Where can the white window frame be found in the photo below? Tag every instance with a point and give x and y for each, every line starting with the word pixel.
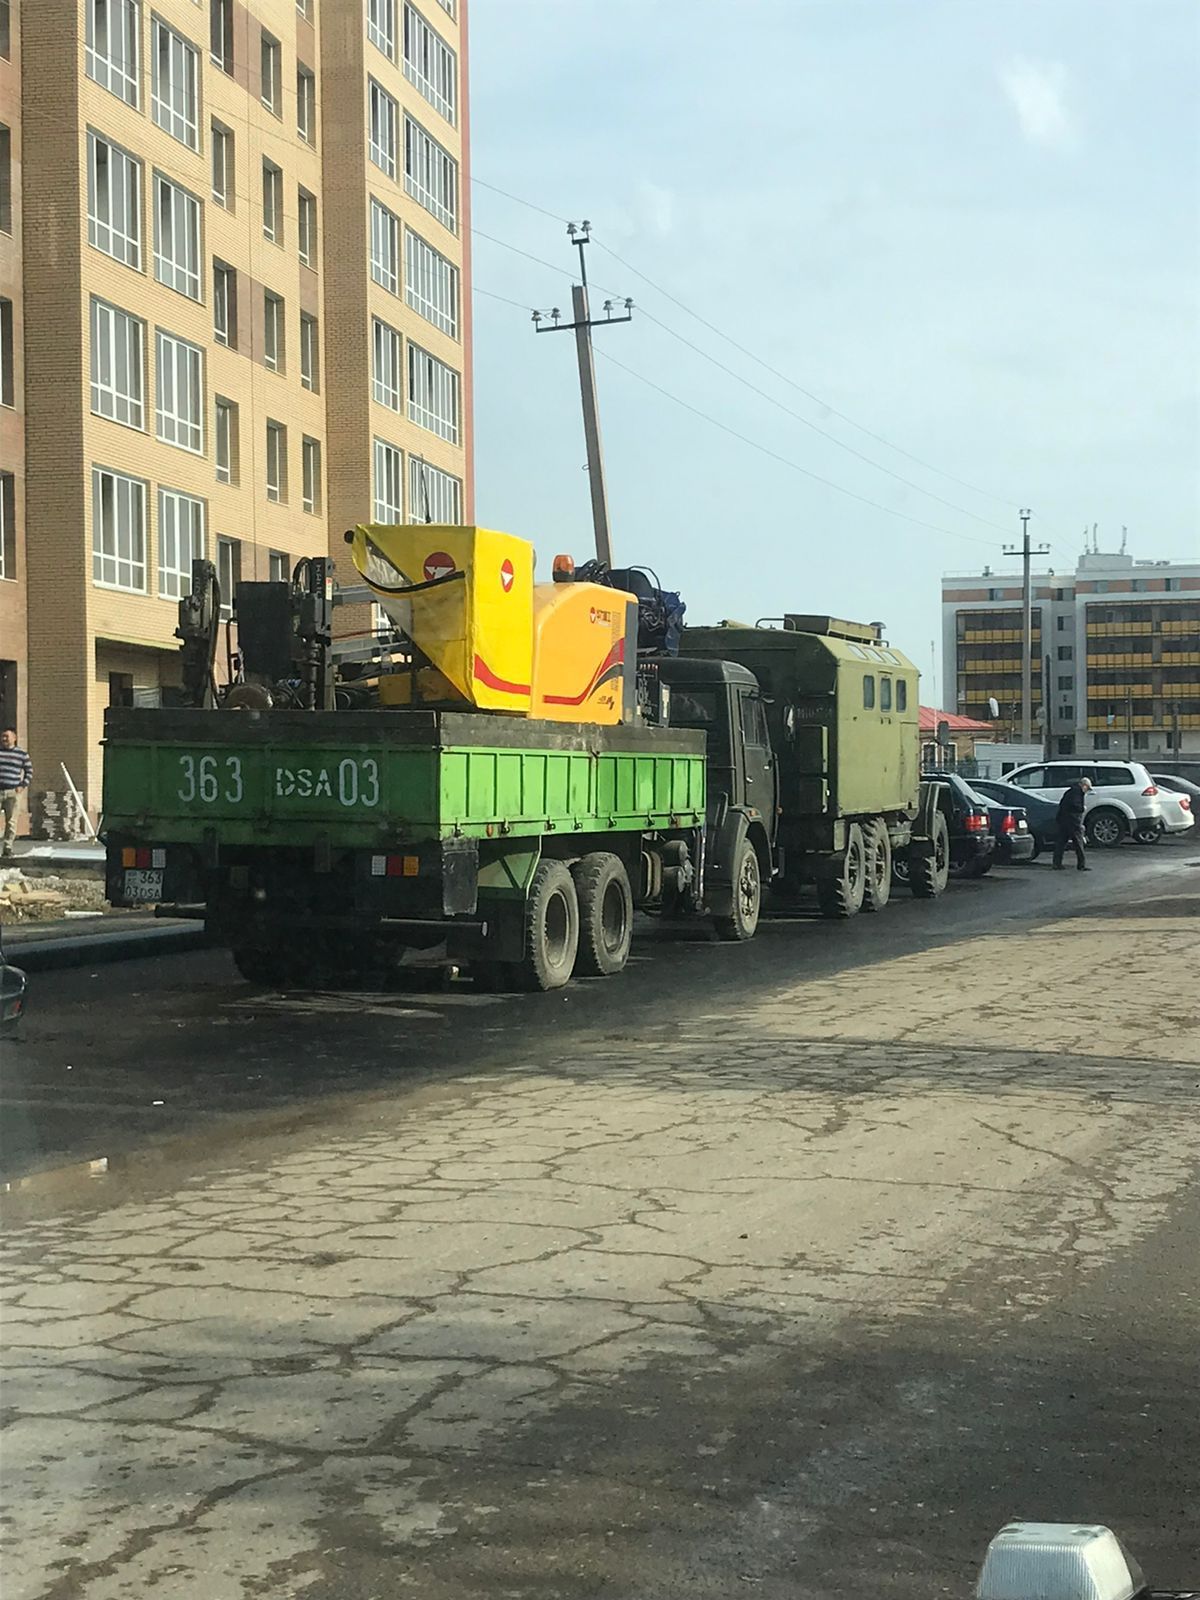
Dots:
pixel 274 331
pixel 385 247
pixel 276 474
pixel 114 201
pixel 306 227
pixel 388 499
pixel 119 547
pixel 450 7
pixel 443 489
pixel 272 183
pixel 223 159
pixel 279 568
pixel 381 26
pixel 430 283
pixel 430 174
pixel 175 83
pixel 224 57
pixel 179 392
pixel 225 306
pixel 8 499
pixel 229 573
pixel 433 394
pixel 177 241
pixel 225 438
pixel 430 65
pixel 118 71
pixel 310 352
pixel 387 365
pixel 306 104
pixel 118 353
pixel 383 124
pixel 181 540
pixel 310 474
pixel 270 54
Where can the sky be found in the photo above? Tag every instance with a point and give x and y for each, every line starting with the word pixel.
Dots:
pixel 957 241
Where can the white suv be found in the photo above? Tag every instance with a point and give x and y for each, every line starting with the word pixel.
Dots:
pixel 1124 800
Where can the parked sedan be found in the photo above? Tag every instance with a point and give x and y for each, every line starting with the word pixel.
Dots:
pixel 1008 825
pixel 12 994
pixel 1041 814
pixel 1188 795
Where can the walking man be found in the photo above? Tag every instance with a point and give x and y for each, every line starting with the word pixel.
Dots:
pixel 1070 825
pixel 16 773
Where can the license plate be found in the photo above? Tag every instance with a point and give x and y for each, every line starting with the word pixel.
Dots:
pixel 143 885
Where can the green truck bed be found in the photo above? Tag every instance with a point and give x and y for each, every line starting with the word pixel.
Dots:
pixel 359 779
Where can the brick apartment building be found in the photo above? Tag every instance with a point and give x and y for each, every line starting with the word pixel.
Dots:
pixel 1122 638
pixel 246 318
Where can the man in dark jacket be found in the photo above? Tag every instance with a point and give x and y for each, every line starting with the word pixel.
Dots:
pixel 1070 824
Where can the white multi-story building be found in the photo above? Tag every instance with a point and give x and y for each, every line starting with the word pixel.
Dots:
pixel 1116 653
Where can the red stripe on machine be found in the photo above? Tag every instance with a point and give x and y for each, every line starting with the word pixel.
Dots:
pixel 615 658
pixel 485 675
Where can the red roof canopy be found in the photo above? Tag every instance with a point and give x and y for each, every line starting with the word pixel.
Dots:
pixel 931 718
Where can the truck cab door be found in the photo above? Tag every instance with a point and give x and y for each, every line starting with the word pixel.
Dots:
pixel 759 769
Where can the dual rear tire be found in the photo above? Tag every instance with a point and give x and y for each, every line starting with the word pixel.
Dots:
pixel 575 920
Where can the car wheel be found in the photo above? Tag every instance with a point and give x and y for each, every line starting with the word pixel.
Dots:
pixel 1106 828
pixel 1148 832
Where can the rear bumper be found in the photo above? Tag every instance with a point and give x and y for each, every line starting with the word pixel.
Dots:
pixel 1016 847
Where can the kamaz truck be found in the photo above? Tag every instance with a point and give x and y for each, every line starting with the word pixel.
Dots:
pixel 506 770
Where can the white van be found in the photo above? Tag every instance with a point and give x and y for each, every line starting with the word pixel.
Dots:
pixel 1124 802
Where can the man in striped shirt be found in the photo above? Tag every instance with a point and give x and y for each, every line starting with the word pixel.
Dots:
pixel 16 773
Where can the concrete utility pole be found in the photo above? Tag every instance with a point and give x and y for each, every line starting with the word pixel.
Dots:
pixel 582 327
pixel 1027 630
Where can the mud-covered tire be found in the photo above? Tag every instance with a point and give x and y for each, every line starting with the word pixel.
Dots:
pixel 551 931
pixel 746 906
pixel 842 884
pixel 1105 828
pixel 929 872
pixel 605 914
pixel 877 884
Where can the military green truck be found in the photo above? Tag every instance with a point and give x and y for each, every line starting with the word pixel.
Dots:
pixel 322 834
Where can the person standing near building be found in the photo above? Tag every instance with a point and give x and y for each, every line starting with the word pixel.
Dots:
pixel 1070 824
pixel 16 773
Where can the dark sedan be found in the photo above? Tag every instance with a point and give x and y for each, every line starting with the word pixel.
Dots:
pixel 12 994
pixel 1040 814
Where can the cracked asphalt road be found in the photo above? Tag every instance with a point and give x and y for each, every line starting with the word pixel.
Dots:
pixel 789 1270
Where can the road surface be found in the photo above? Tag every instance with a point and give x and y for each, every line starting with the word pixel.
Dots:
pixel 792 1269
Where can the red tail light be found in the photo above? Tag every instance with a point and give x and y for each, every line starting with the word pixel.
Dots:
pixel 977 822
pixel 1152 790
pixel 1185 801
pixel 1009 825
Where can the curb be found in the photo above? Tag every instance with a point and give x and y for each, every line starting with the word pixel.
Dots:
pixel 45 955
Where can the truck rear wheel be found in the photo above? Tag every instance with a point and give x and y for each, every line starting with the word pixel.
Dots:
pixel 877 888
pixel 269 969
pixel 840 888
pixel 551 929
pixel 605 914
pixel 742 921
pixel 929 870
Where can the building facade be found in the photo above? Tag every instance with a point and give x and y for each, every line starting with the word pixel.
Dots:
pixel 1116 653
pixel 13 603
pixel 202 377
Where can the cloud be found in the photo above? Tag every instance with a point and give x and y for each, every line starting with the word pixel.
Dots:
pixel 1038 93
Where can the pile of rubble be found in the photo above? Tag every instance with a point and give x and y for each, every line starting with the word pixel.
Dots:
pixel 46 897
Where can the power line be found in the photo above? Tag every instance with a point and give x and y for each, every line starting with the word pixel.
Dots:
pixel 475 289
pixel 517 200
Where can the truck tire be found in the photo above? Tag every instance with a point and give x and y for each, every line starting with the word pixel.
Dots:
pixel 877 885
pixel 1106 828
pixel 929 872
pixel 605 914
pixel 742 921
pixel 841 887
pixel 551 930
pixel 268 969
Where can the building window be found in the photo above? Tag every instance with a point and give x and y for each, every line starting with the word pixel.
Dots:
pixel 1068 713
pixel 225 299
pixel 224 182
pixel 117 365
pixel 274 332
pixel 1061 624
pixel 272 192
pixel 6 222
pixel 1100 741
pixel 1065 652
pixel 1141 741
pixel 1066 683
pixel 429 64
pixel 385 113
pixel 271 68
pixel 381 26
pixel 7 354
pixel 306 105
pixel 430 283
pixel 1066 745
pixel 112 54
pixel 179 393
pixel 176 237
pixel 8 526
pixel 221 35
pixel 385 247
pixel 432 394
pixel 868 691
pixel 114 202
pixel 389 483
pixel 180 541
pixel 306 225
pixel 386 364
pixel 174 90
pixel 430 174
pixel 450 7
pixel 229 573
pixel 276 462
pixel 118 530
pixel 310 353
pixel 277 567
pixel 1173 585
pixel 995 594
pixel 1102 587
pixel 310 462
pixel 225 434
